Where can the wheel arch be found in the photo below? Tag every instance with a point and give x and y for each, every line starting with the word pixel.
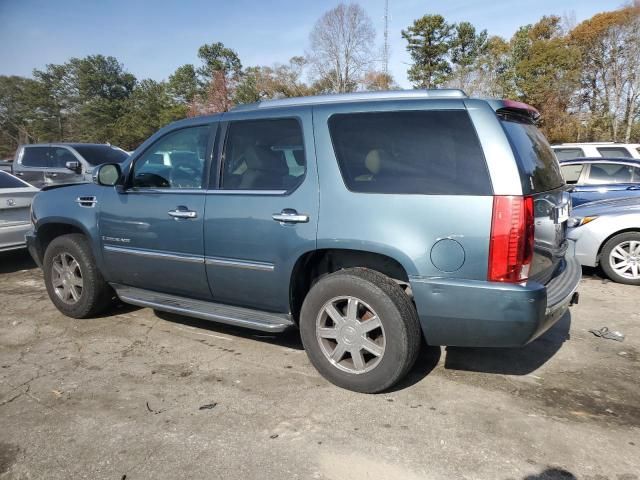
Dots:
pixel 52 228
pixel 619 232
pixel 314 264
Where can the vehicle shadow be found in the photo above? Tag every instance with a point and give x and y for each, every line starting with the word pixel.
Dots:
pixel 511 361
pixel 428 359
pixel 551 473
pixel 289 338
pixel 16 260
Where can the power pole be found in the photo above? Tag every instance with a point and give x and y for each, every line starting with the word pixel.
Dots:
pixel 385 48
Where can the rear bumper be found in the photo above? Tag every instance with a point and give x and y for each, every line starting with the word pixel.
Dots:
pixel 472 313
pixel 12 237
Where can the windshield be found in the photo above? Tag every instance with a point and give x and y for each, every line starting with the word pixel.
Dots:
pixel 99 154
pixel 539 168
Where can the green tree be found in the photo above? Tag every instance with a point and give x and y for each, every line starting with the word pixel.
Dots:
pixel 183 84
pixel 429 43
pixel 466 47
pixel 149 108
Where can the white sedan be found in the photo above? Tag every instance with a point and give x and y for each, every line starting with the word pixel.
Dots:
pixel 15 202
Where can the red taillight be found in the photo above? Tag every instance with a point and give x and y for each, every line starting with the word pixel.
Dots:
pixel 511 241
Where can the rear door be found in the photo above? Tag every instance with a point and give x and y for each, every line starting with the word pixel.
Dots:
pixel 542 179
pixel 605 181
pixel 31 164
pixel 262 214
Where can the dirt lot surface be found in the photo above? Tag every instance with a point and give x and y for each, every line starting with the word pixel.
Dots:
pixel 144 395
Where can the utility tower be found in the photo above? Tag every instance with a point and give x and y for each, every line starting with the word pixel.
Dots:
pixel 385 48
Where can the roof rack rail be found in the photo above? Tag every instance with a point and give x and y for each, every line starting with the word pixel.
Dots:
pixel 356 96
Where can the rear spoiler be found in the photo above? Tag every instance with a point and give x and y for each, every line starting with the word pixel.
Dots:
pixel 520 108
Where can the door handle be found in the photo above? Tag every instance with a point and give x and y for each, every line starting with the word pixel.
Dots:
pixel 289 215
pixel 182 212
pixel 51 174
pixel 19 174
pixel 634 187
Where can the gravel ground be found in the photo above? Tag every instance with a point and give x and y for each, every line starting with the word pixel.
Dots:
pixel 140 394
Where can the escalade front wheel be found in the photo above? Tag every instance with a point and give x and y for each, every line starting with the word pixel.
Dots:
pixel 360 330
pixel 74 283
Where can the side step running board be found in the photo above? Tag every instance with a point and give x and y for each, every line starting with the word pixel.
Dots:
pixel 238 316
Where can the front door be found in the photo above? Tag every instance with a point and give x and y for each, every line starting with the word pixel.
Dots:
pixel 57 171
pixel 151 230
pixel 263 215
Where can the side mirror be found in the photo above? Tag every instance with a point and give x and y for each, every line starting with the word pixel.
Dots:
pixel 73 165
pixel 107 174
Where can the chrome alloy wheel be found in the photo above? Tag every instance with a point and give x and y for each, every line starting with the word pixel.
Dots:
pixel 66 278
pixel 625 259
pixel 350 334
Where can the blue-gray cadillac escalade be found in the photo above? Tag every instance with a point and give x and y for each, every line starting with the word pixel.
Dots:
pixel 369 221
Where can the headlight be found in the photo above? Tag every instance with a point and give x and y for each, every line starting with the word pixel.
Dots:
pixel 579 221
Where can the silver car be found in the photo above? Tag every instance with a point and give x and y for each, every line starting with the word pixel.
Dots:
pixel 15 202
pixel 607 233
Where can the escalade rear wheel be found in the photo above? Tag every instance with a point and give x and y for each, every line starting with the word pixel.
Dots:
pixel 620 258
pixel 360 330
pixel 73 281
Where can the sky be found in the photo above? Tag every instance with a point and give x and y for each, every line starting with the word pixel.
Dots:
pixel 153 38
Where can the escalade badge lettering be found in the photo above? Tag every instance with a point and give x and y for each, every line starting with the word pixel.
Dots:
pixel 116 239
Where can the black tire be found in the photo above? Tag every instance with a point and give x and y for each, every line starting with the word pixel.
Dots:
pixel 401 328
pixel 608 247
pixel 96 295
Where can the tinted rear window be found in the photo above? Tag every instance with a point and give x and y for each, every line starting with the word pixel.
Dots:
pixel 410 152
pixel 9 181
pixel 539 168
pixel 99 154
pixel 35 157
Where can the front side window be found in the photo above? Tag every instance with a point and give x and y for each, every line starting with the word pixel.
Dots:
pixel 99 154
pixel 609 173
pixel 264 155
pixel 35 157
pixel 568 153
pixel 572 172
pixel 433 152
pixel 60 156
pixel 616 152
pixel 177 160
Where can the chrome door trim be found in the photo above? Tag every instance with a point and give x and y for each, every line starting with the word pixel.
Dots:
pixel 155 254
pixel 247 192
pixel 224 262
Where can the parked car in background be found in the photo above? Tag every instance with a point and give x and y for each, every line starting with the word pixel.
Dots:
pixel 15 202
pixel 5 165
pixel 594 179
pixel 569 151
pixel 368 220
pixel 58 163
pixel 607 233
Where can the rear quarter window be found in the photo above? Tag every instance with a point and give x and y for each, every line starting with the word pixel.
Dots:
pixel 9 181
pixel 539 167
pixel 432 152
pixel 568 153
